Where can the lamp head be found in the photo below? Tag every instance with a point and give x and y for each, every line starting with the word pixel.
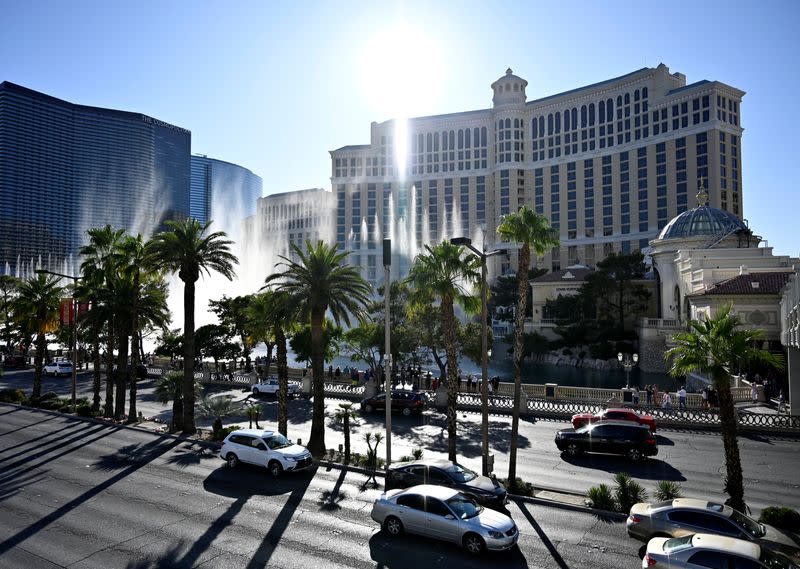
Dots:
pixel 635 358
pixel 619 356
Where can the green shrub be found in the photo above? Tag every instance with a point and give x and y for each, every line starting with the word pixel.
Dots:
pixel 781 518
pixel 84 410
pixel 223 432
pixel 667 490
pixel 519 487
pixel 13 396
pixel 54 404
pixel 600 497
pixel 416 453
pixel 628 492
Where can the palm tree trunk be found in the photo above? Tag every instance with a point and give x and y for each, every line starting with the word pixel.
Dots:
pixel 122 376
pixel 96 377
pixel 189 427
pixel 269 359
pixel 449 327
pixel 134 348
pixel 283 383
pixel 109 404
pixel 38 364
pixel 346 427
pixel 177 412
pixel 316 441
pixel 519 328
pixel 734 484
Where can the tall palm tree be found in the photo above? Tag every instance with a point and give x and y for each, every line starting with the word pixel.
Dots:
pixel 269 317
pixel 98 270
pixel 189 249
pixel 531 231
pixel 36 311
pixel 714 346
pixel 315 284
pixel 8 291
pixel 443 275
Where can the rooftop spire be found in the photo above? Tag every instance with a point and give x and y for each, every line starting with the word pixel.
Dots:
pixel 702 194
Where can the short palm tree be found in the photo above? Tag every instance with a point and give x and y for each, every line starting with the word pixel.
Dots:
pixel 169 387
pixel 189 249
pixel 714 346
pixel 442 274
pixel 531 231
pixel 36 311
pixel 344 414
pixel 218 408
pixel 319 282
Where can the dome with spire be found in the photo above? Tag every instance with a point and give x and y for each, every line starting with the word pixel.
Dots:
pixel 509 90
pixel 703 221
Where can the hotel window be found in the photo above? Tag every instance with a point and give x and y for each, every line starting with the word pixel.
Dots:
pixel 480 199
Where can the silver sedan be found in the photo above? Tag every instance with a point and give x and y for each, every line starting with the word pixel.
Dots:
pixel 445 514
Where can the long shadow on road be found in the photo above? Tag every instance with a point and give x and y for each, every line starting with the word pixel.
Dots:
pixel 559 561
pixel 649 469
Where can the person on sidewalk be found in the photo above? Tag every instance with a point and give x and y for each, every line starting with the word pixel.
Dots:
pixel 666 401
pixel 754 393
pixel 704 395
pixel 682 398
pixel 635 396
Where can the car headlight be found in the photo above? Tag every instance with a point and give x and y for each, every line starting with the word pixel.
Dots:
pixel 495 534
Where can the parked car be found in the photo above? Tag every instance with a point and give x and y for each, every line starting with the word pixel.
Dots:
pixel 583 419
pixel 270 387
pixel 484 490
pixel 615 437
pixel 684 516
pixel 406 402
pixel 58 368
pixel 699 550
pixel 264 448
pixel 445 514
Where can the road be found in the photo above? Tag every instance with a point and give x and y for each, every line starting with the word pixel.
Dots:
pixel 84 495
pixel 694 458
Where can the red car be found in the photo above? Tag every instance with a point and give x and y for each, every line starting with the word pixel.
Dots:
pixel 582 419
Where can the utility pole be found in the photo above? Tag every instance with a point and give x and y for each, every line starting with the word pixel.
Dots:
pixel 387 384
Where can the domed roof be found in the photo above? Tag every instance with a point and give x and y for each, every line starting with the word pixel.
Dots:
pixel 703 221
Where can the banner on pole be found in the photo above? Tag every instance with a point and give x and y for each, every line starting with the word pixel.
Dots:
pixel 67 312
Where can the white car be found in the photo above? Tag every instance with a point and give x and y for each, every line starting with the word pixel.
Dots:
pixel 446 514
pixel 58 368
pixel 269 449
pixel 700 550
pixel 270 387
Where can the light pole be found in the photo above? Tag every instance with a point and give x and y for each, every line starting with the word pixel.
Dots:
pixel 628 362
pixel 74 329
pixel 483 255
pixel 387 384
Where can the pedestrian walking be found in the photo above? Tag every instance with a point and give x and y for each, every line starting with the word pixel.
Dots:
pixel 648 393
pixel 656 399
pixel 428 381
pixel 635 396
pixel 682 398
pixel 491 392
pixel 704 395
pixel 754 393
pixel 666 401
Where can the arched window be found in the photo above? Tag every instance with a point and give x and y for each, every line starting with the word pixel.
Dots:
pixel 636 95
pixel 516 87
pixel 508 87
pixel 467 143
pixel 575 117
pixel 483 136
pixel 435 141
pixel 558 123
pixel 430 142
pixel 609 110
pixel 644 92
pixel 452 139
pixel 584 116
pixel 534 130
pixel 508 123
pixel 627 98
pixel 444 140
pixel 460 138
pixel 566 120
pixel 591 114
pixel 475 140
pixel 541 125
pixel 601 112
pixel 549 124
pixel 619 100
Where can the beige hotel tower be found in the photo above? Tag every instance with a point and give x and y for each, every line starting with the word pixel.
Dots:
pixel 608 164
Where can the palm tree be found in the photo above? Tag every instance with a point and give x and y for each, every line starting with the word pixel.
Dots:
pixel 317 283
pixel 36 310
pixel 188 249
pixel 169 387
pixel 98 269
pixel 218 408
pixel 344 414
pixel 531 231
pixel 8 291
pixel 714 346
pixel 269 317
pixel 443 275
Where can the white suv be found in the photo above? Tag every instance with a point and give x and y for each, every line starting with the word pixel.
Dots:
pixel 264 448
pixel 270 386
pixel 58 368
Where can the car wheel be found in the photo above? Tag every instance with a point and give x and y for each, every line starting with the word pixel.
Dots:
pixel 369 408
pixel 473 543
pixel 634 454
pixel 406 411
pixel 393 526
pixel 275 469
pixel 256 392
pixel 573 449
pixel 232 460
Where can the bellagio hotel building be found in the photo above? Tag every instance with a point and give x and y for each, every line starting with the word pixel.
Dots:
pixel 608 164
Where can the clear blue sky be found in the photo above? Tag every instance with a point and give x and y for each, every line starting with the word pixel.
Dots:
pixel 274 86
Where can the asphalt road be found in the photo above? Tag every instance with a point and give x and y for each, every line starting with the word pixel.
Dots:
pixel 695 459
pixel 84 495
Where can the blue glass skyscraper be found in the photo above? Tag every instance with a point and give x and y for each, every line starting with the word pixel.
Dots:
pixel 223 192
pixel 65 168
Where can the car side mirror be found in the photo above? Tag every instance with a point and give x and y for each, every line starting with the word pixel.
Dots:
pixel 449 517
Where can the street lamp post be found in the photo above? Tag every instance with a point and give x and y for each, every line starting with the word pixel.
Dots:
pixel 628 362
pixel 74 329
pixel 483 255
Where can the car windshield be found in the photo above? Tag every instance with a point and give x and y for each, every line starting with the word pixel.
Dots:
pixel 461 474
pixel 776 560
pixel 749 524
pixel 678 544
pixel 463 507
pixel 278 441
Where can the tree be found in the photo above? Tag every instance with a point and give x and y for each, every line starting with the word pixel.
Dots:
pixel 232 313
pixel 364 344
pixel 442 275
pixel 214 341
pixel 320 282
pixel 715 346
pixel 170 344
pixel 504 295
pixel 36 311
pixel 533 232
pixel 469 341
pixel 344 414
pixel 218 408
pixel 189 249
pixel 613 287
pixel 169 387
pixel 8 292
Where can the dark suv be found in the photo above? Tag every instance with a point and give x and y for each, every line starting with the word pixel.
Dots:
pixel 615 437
pixel 406 402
